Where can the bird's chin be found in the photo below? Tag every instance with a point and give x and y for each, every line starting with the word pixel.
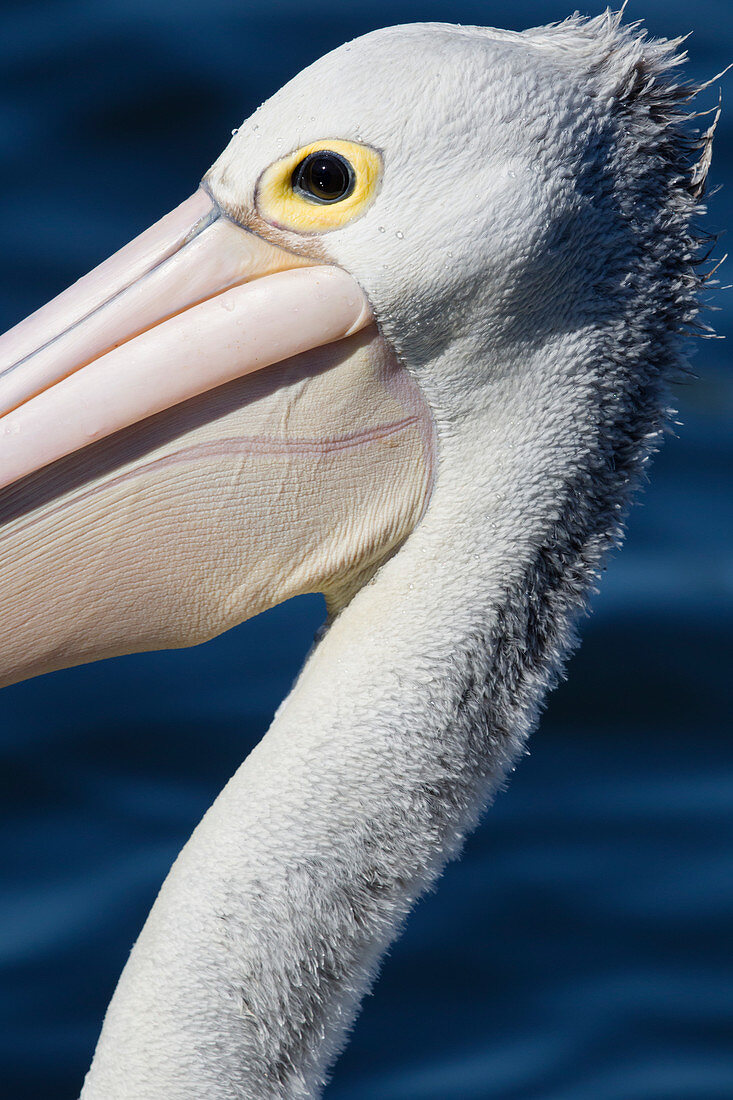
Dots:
pixel 291 480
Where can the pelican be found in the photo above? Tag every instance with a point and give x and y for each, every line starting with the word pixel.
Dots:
pixel 407 346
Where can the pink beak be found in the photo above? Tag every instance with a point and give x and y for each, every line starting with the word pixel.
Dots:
pixel 194 302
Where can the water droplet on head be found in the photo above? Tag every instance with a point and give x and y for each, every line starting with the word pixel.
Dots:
pixel 399 235
pixel 512 174
pixel 381 229
pixel 235 131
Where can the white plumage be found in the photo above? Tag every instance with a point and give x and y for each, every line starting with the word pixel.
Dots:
pixel 528 259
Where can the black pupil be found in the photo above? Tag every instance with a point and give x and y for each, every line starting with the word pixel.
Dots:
pixel 325 177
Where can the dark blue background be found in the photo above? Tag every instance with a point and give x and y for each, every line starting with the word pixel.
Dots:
pixel 582 948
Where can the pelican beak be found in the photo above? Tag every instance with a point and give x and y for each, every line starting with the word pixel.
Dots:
pixel 189 434
pixel 194 302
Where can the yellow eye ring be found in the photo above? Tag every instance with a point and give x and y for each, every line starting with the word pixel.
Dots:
pixel 312 193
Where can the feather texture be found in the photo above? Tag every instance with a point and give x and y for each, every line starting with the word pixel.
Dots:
pixel 538 273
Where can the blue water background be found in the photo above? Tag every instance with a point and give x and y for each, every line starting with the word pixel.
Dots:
pixel 582 950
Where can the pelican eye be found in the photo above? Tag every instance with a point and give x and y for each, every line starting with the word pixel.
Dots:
pixel 319 187
pixel 324 177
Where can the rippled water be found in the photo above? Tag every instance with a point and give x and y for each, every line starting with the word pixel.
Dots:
pixel 582 948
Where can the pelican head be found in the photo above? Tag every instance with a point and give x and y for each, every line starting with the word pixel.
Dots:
pixel 407 346
pixel 242 405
